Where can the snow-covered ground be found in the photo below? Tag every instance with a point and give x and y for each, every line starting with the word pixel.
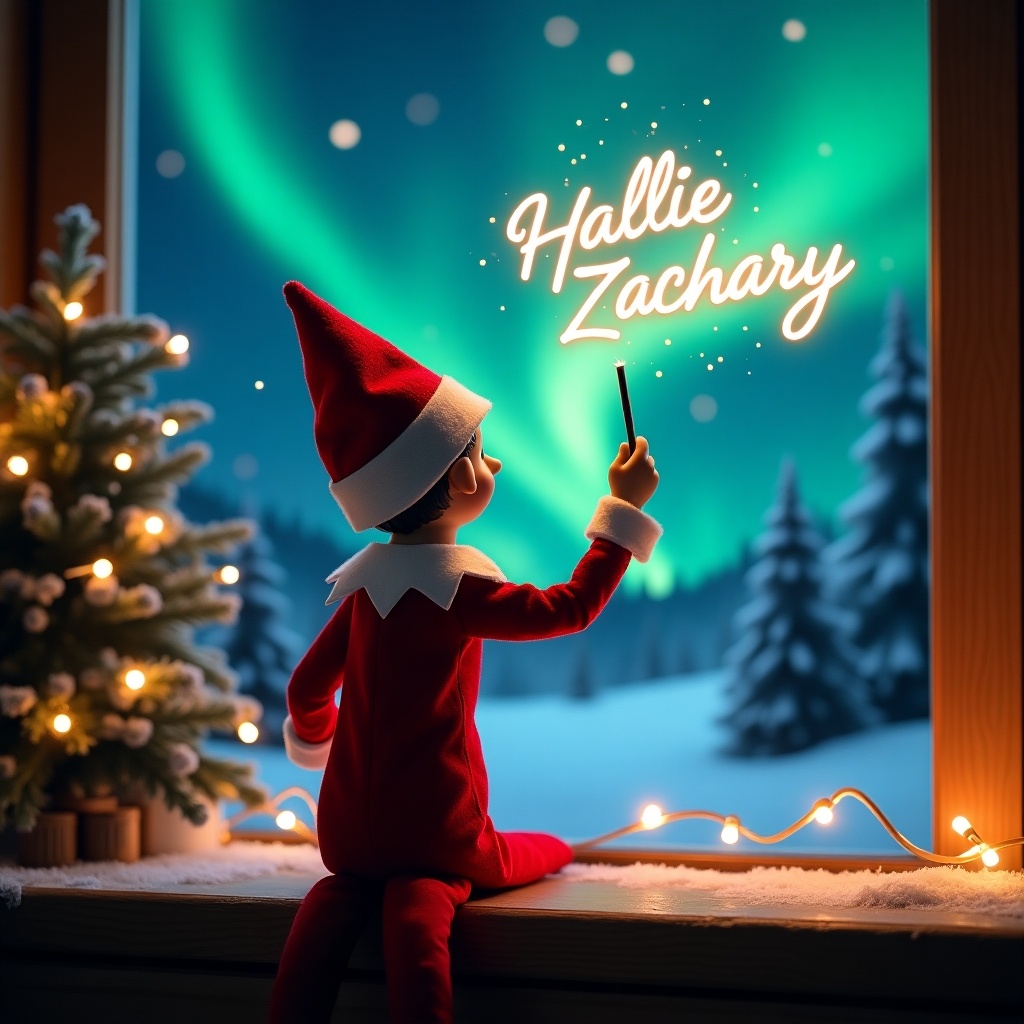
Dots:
pixel 582 768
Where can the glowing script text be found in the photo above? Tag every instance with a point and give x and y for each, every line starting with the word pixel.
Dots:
pixel 656 200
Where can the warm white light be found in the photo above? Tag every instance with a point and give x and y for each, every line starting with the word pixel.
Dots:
pixel 62 723
pixel 229 574
pixel 134 679
pixel 178 345
pixel 18 465
pixel 286 820
pixel 620 62
pixel 961 825
pixel 823 814
pixel 651 816
pixel 661 194
pixel 169 427
pixel 794 30
pixel 248 733
pixel 154 525
pixel 730 831
pixel 123 461
pixel 345 134
pixel 73 310
pixel 990 858
pixel 259 385
pixel 102 568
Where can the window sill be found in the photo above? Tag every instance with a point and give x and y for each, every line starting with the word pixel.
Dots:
pixel 559 950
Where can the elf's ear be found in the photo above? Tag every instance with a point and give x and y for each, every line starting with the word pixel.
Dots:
pixel 462 476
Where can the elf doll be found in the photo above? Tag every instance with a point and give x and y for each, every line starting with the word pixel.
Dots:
pixel 402 821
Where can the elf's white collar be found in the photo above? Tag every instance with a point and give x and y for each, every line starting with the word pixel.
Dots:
pixel 387 571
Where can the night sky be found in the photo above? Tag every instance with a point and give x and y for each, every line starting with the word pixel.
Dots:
pixel 461 109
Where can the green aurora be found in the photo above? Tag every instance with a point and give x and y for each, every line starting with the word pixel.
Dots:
pixel 833 129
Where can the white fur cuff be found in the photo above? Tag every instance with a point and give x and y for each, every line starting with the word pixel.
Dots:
pixel 626 525
pixel 305 755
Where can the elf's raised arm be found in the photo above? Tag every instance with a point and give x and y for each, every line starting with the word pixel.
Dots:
pixel 312 713
pixel 619 529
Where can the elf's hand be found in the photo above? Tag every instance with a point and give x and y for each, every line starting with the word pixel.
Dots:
pixel 633 478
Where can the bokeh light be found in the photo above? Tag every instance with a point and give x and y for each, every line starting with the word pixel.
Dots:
pixel 170 164
pixel 345 134
pixel 422 109
pixel 794 30
pixel 620 62
pixel 561 31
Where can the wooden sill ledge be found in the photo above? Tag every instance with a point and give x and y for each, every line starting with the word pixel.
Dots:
pixel 559 950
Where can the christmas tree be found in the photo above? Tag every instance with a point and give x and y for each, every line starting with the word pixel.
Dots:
pixel 102 581
pixel 879 568
pixel 791 681
pixel 262 649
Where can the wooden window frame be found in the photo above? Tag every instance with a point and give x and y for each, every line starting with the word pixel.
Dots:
pixel 55 49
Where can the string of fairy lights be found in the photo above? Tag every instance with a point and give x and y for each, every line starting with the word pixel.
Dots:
pixel 822 812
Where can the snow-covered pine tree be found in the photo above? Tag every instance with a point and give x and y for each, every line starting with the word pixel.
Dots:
pixel 879 567
pixel 790 679
pixel 102 581
pixel 263 650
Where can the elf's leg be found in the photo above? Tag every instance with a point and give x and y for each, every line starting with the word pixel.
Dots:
pixel 325 930
pixel 418 916
pixel 526 857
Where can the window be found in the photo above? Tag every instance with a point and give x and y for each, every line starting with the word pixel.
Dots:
pixel 992 548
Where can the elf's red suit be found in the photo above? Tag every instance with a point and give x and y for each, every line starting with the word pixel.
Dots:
pixel 404 795
pixel 402 820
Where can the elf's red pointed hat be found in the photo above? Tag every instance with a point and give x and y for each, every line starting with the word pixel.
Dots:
pixel 386 428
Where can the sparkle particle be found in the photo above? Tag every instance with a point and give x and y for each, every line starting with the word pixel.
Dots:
pixel 657 373
pixel 561 147
pixel 623 104
pixel 483 263
pixel 707 103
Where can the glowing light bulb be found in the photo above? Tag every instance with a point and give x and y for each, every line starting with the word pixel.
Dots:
pixel 286 820
pixel 961 825
pixel 989 857
pixel 154 525
pixel 652 816
pixel 134 679
pixel 823 814
pixel 248 733
pixel 169 427
pixel 229 574
pixel 178 345
pixel 18 465
pixel 73 310
pixel 730 831
pixel 122 461
pixel 62 723
pixel 102 568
